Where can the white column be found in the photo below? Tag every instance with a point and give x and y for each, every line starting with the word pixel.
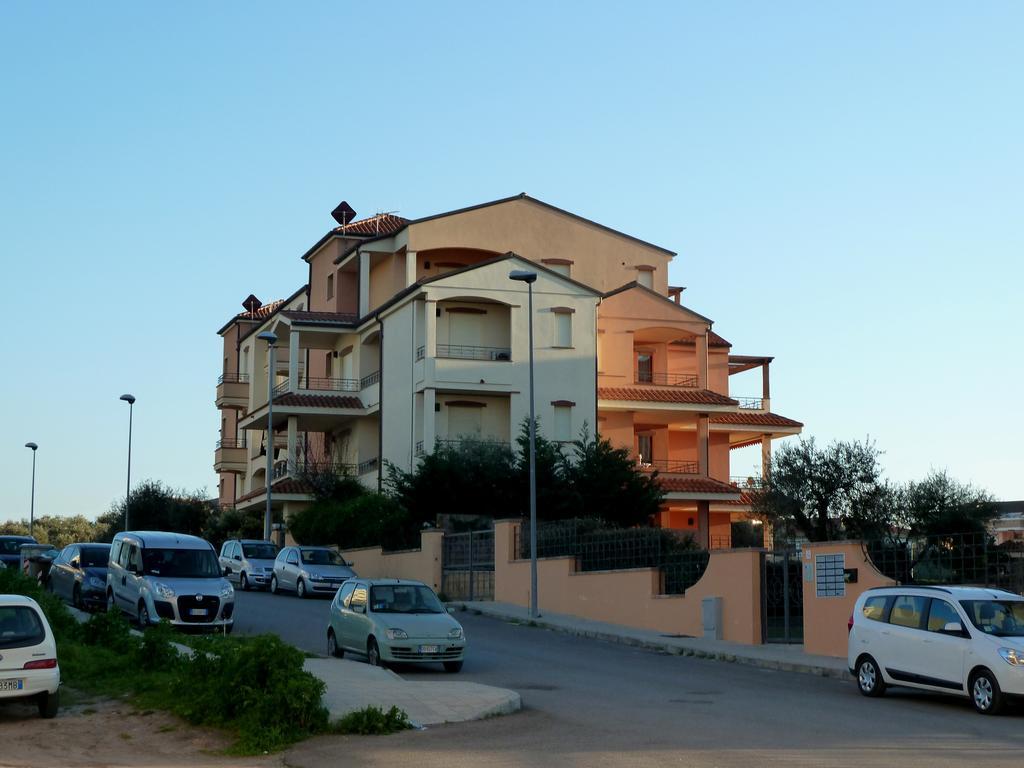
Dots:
pixel 364 283
pixel 702 361
pixel 410 268
pixel 293 442
pixel 429 420
pixel 430 329
pixel 293 361
pixel 766 455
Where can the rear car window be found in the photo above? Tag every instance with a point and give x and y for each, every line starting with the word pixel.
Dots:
pixel 874 608
pixel 907 611
pixel 20 627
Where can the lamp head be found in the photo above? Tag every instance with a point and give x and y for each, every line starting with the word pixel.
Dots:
pixel 33 446
pixel 269 337
pixel 522 276
pixel 130 399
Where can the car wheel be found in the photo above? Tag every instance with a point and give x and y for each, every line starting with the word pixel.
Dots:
pixel 869 677
pixel 243 582
pixel 273 585
pixel 985 693
pixel 49 703
pixel 333 649
pixel 76 597
pixel 373 653
pixel 143 616
pixel 453 666
pixel 300 589
pixel 111 605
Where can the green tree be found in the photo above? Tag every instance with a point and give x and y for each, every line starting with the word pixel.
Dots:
pixel 57 530
pixel 152 506
pixel 826 493
pixel 555 497
pixel 940 505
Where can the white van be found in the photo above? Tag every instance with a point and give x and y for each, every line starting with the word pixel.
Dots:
pixel 28 655
pixel 966 641
pixel 154 575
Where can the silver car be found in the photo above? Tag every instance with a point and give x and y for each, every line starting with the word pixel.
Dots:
pixel 248 562
pixel 309 571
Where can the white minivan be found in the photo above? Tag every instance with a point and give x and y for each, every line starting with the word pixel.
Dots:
pixel 28 655
pixel 965 641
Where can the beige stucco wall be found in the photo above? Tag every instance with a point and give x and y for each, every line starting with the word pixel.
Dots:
pixel 423 564
pixel 826 618
pixel 630 598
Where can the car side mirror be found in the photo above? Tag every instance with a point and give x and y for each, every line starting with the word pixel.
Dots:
pixel 238 557
pixel 953 628
pixel 75 563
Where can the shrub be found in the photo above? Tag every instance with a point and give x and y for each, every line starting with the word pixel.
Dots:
pixel 372 721
pixel 63 624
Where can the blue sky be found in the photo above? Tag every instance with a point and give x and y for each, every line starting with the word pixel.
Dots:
pixel 843 183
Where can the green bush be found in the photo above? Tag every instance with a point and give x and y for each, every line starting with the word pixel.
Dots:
pixel 366 520
pixel 372 721
pixel 64 625
pixel 111 631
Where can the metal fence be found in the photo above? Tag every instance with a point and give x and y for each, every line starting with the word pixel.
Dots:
pixel 961 558
pixel 467 565
pixel 600 548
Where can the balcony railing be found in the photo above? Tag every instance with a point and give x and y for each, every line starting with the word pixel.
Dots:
pixel 280 389
pixel 746 481
pixel 421 352
pixel 459 442
pixel 467 352
pixel 419 447
pixel 231 443
pixel 367 466
pixel 368 379
pixel 749 403
pixel 233 378
pixel 330 384
pixel 668 466
pixel 667 379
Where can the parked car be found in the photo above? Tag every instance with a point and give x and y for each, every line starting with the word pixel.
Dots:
pixel 79 575
pixel 28 655
pixel 154 575
pixel 966 641
pixel 36 560
pixel 310 571
pixel 394 620
pixel 248 562
pixel 10 549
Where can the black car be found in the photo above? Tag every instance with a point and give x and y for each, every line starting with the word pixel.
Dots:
pixel 10 549
pixel 79 574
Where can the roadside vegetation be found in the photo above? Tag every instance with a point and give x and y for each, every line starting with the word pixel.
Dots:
pixel 255 689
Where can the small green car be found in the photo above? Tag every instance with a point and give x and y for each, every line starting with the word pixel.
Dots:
pixel 394 621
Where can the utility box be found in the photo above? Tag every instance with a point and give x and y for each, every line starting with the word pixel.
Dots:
pixel 711 617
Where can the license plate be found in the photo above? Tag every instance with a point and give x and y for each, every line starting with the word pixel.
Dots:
pixel 11 685
pixel 196 611
pixel 429 649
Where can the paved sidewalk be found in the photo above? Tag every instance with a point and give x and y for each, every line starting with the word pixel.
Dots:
pixel 787 658
pixel 352 685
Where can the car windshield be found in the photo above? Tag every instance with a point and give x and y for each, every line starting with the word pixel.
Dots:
pixel 181 563
pixel 1001 618
pixel 13 546
pixel 321 557
pixel 94 557
pixel 20 627
pixel 404 598
pixel 260 551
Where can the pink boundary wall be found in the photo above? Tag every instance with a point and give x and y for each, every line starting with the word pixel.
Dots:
pixel 630 598
pixel 423 564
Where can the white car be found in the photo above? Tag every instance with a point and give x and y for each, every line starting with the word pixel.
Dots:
pixel 965 641
pixel 28 655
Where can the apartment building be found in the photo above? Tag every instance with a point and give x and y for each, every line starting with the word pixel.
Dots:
pixel 409 333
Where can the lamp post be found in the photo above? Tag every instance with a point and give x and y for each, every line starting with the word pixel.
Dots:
pixel 32 508
pixel 130 399
pixel 530 278
pixel 271 339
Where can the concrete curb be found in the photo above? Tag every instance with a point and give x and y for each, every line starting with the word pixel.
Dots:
pixel 735 655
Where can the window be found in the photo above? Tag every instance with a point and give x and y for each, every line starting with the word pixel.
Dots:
pixel 563 329
pixel 293 558
pixel 908 611
pixel 645 447
pixel 563 423
pixel 330 287
pixel 20 627
pixel 645 276
pixel 875 608
pixel 358 599
pixel 644 368
pixel 940 614
pixel 345 594
pixel 328 364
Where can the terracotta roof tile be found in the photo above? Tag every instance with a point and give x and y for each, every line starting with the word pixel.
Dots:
pixel 262 313
pixel 381 224
pixel 695 485
pixel 318 401
pixel 754 419
pixel 666 395
pixel 284 485
pixel 326 318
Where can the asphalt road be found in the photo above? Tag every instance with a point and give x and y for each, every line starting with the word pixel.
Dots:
pixel 590 703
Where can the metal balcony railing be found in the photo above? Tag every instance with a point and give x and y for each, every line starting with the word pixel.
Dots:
pixel 746 481
pixel 230 442
pixel 749 403
pixel 459 442
pixel 667 466
pixel 367 466
pixel 330 384
pixel 419 448
pixel 467 352
pixel 233 378
pixel 280 389
pixel 369 379
pixel 421 352
pixel 667 379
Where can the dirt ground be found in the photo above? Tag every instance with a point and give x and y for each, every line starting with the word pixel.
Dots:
pixel 97 732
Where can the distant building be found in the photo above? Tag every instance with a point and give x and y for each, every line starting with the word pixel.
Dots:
pixel 1008 524
pixel 410 334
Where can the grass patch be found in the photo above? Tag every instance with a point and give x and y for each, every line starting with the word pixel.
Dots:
pixel 372 721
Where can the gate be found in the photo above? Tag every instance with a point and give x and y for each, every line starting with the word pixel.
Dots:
pixel 782 596
pixel 467 566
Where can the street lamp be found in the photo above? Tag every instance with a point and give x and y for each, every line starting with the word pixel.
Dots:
pixel 130 399
pixel 32 509
pixel 271 339
pixel 530 278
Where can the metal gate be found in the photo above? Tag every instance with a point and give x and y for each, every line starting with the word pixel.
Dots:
pixel 467 567
pixel 782 596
